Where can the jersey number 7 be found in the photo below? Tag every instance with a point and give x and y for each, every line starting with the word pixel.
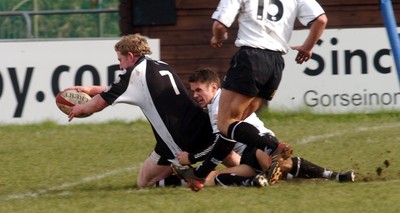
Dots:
pixel 171 79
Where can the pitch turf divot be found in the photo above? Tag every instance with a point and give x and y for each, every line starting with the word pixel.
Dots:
pixel 63 186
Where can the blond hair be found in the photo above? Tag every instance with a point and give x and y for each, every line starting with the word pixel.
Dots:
pixel 135 43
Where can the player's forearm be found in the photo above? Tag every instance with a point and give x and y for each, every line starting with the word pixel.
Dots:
pixel 316 29
pixel 201 155
pixel 97 103
pixel 219 31
pixel 90 90
pixel 94 90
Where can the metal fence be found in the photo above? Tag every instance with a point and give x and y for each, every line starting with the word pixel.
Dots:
pixel 29 26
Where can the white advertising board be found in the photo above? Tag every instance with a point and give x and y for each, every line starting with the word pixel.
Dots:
pixel 352 70
pixel 32 72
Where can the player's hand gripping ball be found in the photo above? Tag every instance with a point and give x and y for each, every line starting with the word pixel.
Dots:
pixel 66 99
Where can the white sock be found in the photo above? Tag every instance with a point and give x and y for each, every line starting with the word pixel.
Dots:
pixel 289 176
pixel 327 174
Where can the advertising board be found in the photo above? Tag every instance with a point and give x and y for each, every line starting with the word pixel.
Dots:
pixel 351 70
pixel 33 72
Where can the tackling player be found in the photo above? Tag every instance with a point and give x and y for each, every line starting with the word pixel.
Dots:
pixel 256 69
pixel 205 87
pixel 178 122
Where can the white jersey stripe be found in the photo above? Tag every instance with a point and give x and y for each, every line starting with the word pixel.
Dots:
pixel 144 100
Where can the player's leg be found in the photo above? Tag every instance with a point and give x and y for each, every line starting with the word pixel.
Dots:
pixel 196 177
pixel 240 170
pixel 233 159
pixel 247 133
pixel 171 180
pixel 297 167
pixel 231 179
pixel 253 75
pixel 242 175
pixel 250 173
pixel 150 172
pixel 263 159
pixel 235 107
pixel 232 107
pixel 223 146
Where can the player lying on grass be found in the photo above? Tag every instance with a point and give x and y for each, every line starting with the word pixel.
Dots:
pixel 205 87
pixel 255 70
pixel 178 122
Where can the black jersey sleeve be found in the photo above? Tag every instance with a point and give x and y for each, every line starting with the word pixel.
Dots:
pixel 201 155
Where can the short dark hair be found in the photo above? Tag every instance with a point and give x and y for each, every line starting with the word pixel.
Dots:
pixel 205 75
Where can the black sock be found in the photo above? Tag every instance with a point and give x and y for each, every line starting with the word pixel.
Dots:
pixel 248 134
pixel 305 169
pixel 222 148
pixel 233 180
pixel 172 180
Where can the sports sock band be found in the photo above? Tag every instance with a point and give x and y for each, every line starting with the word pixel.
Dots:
pixel 248 134
pixel 222 148
pixel 233 180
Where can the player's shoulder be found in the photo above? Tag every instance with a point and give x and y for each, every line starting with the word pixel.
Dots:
pixel 154 61
pixel 157 65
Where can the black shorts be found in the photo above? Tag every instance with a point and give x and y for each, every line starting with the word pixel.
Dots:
pixel 249 158
pixel 255 72
pixel 193 135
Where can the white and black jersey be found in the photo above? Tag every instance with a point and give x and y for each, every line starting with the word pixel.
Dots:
pixel 178 123
pixel 266 24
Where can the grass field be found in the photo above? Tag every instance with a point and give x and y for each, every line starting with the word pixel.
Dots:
pixel 92 168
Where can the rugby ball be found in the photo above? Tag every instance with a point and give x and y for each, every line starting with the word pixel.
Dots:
pixel 66 99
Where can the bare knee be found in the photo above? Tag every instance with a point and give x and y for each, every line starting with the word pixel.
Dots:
pixel 150 173
pixel 233 159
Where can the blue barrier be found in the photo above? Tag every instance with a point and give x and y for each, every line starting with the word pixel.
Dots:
pixel 391 28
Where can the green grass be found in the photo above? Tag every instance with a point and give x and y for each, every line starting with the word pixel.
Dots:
pixel 93 168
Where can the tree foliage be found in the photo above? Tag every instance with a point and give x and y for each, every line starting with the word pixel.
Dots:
pixel 59 25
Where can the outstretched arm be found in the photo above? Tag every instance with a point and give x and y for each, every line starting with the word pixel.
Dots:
pixel 97 103
pixel 90 90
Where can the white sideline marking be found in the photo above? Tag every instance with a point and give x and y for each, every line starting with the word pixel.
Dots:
pixel 315 138
pixel 65 185
pixel 306 140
